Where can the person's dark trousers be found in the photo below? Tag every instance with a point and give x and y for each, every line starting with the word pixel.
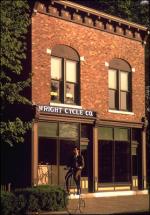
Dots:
pixel 67 177
pixel 77 177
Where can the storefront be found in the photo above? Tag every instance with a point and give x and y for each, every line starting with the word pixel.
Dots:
pixel 56 132
pixel 112 151
pixel 120 158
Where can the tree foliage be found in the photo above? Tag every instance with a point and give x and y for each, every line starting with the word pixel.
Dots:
pixel 14 26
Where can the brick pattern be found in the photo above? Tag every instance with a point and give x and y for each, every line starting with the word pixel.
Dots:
pixel 97 47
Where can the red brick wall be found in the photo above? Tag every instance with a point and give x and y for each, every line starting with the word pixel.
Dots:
pixel 97 47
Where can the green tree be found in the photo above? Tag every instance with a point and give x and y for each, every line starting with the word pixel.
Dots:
pixel 15 20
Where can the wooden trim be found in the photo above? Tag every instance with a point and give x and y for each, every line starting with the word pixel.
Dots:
pixel 34 160
pixel 118 123
pixel 48 117
pixel 95 157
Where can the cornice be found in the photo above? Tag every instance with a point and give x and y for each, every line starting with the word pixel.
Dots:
pixel 100 14
pixel 92 18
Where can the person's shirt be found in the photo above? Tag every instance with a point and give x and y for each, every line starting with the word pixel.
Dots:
pixel 76 162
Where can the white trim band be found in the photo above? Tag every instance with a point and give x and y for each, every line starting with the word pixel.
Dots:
pixel 120 112
pixel 65 105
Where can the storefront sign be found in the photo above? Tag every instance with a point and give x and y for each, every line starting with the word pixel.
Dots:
pixel 67 111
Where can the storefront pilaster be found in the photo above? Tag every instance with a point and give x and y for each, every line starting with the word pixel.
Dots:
pixel 144 158
pixel 95 159
pixel 34 159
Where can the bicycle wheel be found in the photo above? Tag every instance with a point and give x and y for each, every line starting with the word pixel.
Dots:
pixel 75 203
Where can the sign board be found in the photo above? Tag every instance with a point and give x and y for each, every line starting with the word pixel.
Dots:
pixel 66 111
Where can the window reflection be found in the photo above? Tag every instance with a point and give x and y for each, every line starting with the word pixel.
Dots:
pixel 69 130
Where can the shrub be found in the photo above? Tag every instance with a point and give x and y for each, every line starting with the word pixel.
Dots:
pixel 8 203
pixel 44 198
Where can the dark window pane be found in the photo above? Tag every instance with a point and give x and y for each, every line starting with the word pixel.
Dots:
pixel 112 99
pixel 47 151
pixel 85 131
pixel 47 168
pixel 69 130
pixel 55 90
pixel 47 129
pixel 134 165
pixel 105 133
pixel 136 134
pixel 123 100
pixel 85 155
pixel 105 170
pixel 122 161
pixel 66 150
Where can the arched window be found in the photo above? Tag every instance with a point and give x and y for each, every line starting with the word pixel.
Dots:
pixel 65 75
pixel 119 79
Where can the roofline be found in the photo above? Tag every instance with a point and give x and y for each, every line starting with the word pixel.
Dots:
pixel 99 13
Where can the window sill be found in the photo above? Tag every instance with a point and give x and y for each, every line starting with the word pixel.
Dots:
pixel 121 112
pixel 65 105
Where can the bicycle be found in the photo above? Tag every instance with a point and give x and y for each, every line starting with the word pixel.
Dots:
pixel 75 201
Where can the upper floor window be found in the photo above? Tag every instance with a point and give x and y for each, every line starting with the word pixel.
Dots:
pixel 119 80
pixel 65 75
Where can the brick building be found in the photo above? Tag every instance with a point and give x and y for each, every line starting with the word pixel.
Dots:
pixel 88 86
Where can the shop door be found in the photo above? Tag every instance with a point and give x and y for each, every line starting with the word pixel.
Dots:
pixel 66 148
pixel 68 138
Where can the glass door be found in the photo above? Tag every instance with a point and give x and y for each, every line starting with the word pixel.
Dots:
pixel 66 148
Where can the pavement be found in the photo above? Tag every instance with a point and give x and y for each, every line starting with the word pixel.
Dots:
pixel 126 202
pixel 129 202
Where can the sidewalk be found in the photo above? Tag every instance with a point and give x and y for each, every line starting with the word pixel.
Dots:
pixel 115 203
pixel 119 202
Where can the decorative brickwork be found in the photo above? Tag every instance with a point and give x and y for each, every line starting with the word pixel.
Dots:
pixel 89 17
